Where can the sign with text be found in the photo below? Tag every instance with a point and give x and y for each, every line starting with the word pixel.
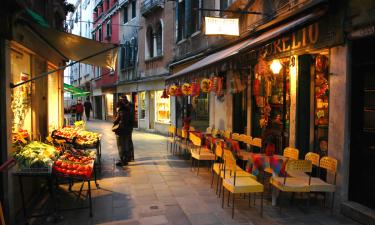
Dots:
pixel 222 26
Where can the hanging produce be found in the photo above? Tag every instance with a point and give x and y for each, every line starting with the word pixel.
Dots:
pixel 186 89
pixel 173 90
pixel 256 85
pixel 206 85
pixel 321 64
pixel 179 91
pixel 214 81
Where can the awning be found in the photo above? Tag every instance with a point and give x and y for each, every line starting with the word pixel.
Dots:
pixel 76 92
pixel 245 45
pixel 76 48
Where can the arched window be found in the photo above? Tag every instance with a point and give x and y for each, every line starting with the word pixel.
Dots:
pixel 159 38
pixel 149 43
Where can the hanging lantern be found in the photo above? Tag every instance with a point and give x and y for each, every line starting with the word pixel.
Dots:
pixel 173 90
pixel 164 95
pixel 186 89
pixel 206 85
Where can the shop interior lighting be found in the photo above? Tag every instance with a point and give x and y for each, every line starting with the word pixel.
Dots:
pixel 276 66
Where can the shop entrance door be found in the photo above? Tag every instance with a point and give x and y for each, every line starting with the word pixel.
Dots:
pixel 239 112
pixel 98 107
pixel 362 149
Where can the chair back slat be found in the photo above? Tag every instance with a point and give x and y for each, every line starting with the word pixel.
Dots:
pixel 313 157
pixel 197 141
pixel 291 153
pixel 236 137
pixel 184 133
pixel 219 151
pixel 257 142
pixel 229 161
pixel 329 164
pixel 209 130
pixel 298 165
pixel 246 139
pixel 227 134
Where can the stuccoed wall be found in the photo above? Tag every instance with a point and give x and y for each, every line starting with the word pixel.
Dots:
pixel 338 137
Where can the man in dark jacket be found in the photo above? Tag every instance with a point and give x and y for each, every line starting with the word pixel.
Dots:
pixel 125 120
pixel 88 108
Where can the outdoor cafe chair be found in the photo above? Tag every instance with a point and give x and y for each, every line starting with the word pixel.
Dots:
pixel 318 185
pixel 311 156
pixel 184 141
pixel 199 152
pixel 234 182
pixel 171 137
pixel 292 184
pixel 290 153
pixel 227 134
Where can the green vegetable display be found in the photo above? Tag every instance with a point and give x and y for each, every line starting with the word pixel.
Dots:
pixel 36 155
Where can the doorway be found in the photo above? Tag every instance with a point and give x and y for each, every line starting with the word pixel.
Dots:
pixel 362 144
pixel 98 107
pixel 240 112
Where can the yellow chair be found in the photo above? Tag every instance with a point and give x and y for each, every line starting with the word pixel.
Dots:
pixel 311 156
pixel 238 184
pixel 245 154
pixel 198 152
pixel 256 142
pixel 318 185
pixel 227 134
pixel 236 137
pixel 208 130
pixel 191 128
pixel 184 141
pixel 215 132
pixel 292 184
pixel 291 153
pixel 217 167
pixel 171 137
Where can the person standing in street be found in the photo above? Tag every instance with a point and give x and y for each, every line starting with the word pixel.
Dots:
pixel 123 129
pixel 79 110
pixel 88 108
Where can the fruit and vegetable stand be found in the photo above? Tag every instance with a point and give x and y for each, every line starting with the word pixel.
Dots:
pixel 68 160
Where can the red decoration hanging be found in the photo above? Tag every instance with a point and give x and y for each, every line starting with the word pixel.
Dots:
pixel 164 95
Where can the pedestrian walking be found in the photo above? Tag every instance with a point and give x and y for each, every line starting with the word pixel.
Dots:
pixel 123 128
pixel 79 110
pixel 88 108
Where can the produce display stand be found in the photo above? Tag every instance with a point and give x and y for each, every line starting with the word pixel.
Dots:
pixel 84 170
pixel 41 173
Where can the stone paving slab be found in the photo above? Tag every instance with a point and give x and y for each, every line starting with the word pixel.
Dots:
pixel 160 189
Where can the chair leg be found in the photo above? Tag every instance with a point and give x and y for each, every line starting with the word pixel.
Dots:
pixel 333 202
pixel 228 198
pixel 261 205
pixel 192 163
pixel 222 201
pixel 232 204
pixel 249 200
pixel 279 200
pixel 198 167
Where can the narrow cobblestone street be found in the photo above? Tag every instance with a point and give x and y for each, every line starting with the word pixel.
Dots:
pixel 161 189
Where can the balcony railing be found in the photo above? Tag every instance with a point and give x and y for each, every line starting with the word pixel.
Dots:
pixel 148 6
pixel 97 2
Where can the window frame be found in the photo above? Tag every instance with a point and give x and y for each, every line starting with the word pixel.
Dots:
pixel 134 9
pixel 109 28
pixel 126 15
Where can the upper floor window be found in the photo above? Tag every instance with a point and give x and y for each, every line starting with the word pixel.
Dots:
pixel 149 43
pixel 134 8
pixel 159 38
pixel 125 14
pixel 109 28
pixel 100 38
pixel 180 20
pixel 196 17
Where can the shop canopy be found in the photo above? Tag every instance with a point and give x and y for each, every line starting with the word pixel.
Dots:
pixel 244 45
pixel 76 92
pixel 76 48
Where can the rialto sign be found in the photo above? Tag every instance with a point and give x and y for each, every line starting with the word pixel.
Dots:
pixel 316 35
pixel 221 26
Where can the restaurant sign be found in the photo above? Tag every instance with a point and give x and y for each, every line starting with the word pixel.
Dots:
pixel 221 26
pixel 314 36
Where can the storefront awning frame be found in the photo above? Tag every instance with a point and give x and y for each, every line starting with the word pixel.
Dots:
pixel 76 92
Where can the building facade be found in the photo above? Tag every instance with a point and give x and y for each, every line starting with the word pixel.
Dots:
pixel 106 17
pixel 294 68
pixel 155 54
pixel 33 106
